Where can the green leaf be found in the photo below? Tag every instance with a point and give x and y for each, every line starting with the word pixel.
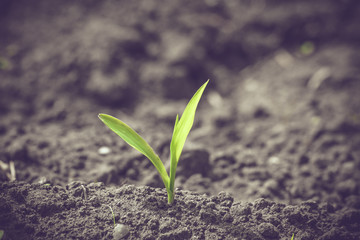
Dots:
pixel 181 131
pixel 136 141
pixel 183 126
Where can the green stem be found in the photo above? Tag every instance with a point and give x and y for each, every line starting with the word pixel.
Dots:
pixel 170 197
pixel 173 165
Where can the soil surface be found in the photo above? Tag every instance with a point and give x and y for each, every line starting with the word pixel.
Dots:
pixel 274 150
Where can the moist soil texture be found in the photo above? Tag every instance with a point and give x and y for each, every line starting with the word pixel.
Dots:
pixel 274 150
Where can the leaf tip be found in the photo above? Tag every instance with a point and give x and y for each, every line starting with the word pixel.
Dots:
pixel 103 116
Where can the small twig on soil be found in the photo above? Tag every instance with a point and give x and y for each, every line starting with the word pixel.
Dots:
pixel 113 215
pixel 84 191
pixel 290 196
pixel 8 167
pixel 108 179
pixel 12 171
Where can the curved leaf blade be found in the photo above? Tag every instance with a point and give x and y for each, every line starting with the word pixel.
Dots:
pixel 181 131
pixel 136 141
pixel 183 126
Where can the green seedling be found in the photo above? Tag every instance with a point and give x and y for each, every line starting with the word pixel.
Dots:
pixel 113 215
pixel 181 130
pixel 292 238
pixel 1 234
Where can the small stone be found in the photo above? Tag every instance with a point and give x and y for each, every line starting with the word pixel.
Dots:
pixel 268 230
pixel 104 150
pixel 120 231
pixel 274 160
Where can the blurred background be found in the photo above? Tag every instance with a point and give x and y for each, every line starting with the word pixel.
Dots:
pixel 283 94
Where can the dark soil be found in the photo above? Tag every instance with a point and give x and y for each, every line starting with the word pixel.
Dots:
pixel 274 150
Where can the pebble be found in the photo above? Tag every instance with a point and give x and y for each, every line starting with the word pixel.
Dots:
pixel 104 150
pixel 120 231
pixel 268 230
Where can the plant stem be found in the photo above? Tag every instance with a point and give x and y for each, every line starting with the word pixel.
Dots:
pixel 170 197
pixel 173 165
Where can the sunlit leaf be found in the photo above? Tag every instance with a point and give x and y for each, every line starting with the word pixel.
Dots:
pixel 181 131
pixel 134 140
pixel 183 126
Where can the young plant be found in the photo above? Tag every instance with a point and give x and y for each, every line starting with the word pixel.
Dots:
pixel 181 130
pixel 113 215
